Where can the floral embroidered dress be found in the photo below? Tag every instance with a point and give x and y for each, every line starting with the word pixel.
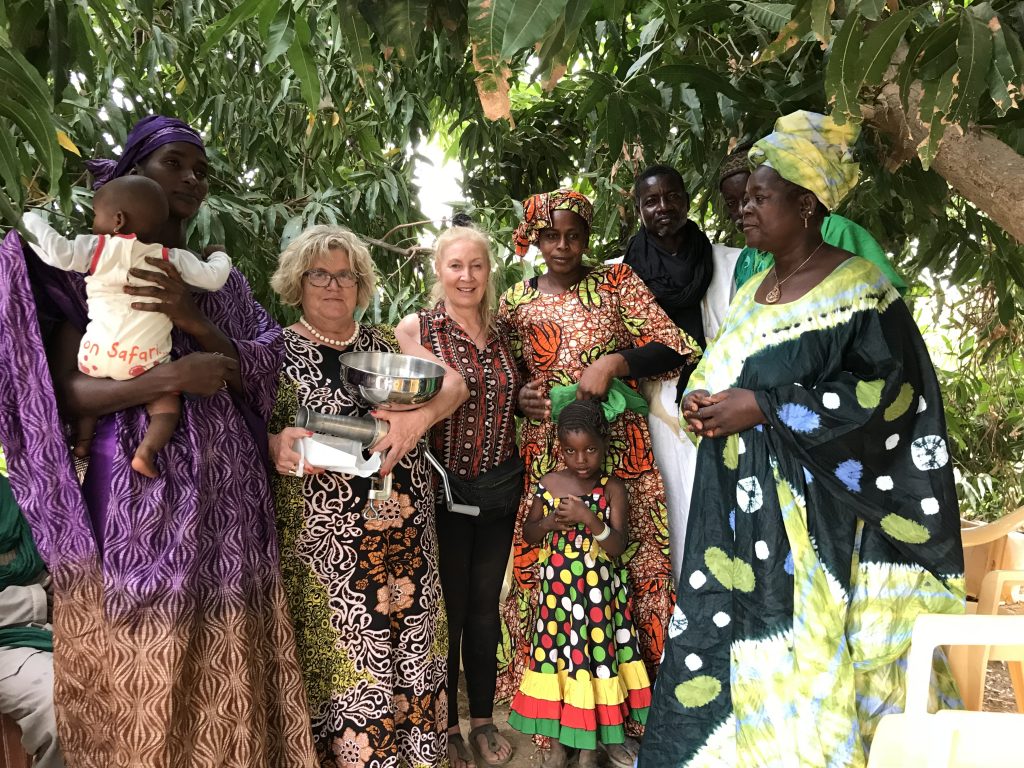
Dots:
pixel 362 586
pixel 557 337
pixel 585 677
pixel 815 540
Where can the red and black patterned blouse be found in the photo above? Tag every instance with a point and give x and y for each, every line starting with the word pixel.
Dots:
pixel 481 434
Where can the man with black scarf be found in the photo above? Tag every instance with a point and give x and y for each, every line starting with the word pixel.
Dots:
pixel 670 253
pixel 692 281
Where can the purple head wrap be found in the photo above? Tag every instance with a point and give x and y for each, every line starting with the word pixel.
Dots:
pixel 145 136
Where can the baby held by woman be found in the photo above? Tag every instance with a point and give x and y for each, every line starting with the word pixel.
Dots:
pixel 122 342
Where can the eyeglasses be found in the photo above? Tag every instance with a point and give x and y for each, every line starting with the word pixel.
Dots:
pixel 321 279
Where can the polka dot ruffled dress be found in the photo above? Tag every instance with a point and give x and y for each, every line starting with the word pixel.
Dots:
pixel 585 676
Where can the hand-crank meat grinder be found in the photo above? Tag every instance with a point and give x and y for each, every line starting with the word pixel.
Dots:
pixel 385 380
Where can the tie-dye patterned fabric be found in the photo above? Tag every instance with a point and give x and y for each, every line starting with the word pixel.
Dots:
pixel 813 541
pixel 811 151
pixel 172 649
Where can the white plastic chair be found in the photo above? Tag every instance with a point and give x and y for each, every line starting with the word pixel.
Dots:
pixel 969 664
pixel 991 547
pixel 950 738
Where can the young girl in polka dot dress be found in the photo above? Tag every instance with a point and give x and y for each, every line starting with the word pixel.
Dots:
pixel 585 676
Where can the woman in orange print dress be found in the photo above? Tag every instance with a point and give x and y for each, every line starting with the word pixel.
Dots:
pixel 588 326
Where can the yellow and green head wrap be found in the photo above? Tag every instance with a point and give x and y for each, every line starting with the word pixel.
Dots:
pixel 811 151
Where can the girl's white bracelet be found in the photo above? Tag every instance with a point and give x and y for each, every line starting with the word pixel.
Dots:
pixel 603 534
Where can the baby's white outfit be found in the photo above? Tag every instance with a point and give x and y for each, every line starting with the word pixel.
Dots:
pixel 121 342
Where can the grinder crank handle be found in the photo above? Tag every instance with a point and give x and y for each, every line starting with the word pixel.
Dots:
pixel 462 509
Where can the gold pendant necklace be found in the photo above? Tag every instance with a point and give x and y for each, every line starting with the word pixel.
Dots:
pixel 775 293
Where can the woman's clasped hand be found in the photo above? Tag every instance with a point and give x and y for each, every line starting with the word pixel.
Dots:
pixel 721 414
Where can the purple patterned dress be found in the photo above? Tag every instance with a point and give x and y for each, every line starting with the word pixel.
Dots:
pixel 173 645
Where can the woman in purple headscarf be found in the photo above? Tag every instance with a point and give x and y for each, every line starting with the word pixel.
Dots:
pixel 173 646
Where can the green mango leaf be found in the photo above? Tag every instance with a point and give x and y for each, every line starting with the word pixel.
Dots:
pixel 216 31
pixel 530 20
pixel 791 34
pixel 1007 307
pixel 9 164
pixel 404 21
pixel 869 9
pixel 11 199
pixel 878 48
pixel 300 56
pixel 1016 49
pixel 601 85
pixel 551 45
pixel 939 51
pixel 935 104
pixel 704 15
pixel 1002 76
pixel 357 38
pixel 575 14
pixel 25 101
pixel 20 80
pixel 280 35
pixel 697 77
pixel 615 128
pixel 639 63
pixel 771 16
pixel 10 210
pixel 842 76
pixel 909 71
pixel 974 55
pixel 487 20
pixel 1015 266
pixel 266 15
pixel 821 20
pixel 650 30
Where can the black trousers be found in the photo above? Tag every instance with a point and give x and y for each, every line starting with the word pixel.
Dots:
pixel 473 555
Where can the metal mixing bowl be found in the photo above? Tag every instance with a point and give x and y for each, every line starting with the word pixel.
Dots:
pixel 390 380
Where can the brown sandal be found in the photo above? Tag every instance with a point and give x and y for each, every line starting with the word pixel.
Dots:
pixel 461 749
pixel 490 732
pixel 620 755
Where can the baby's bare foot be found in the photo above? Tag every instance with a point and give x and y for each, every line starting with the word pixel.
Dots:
pixel 144 463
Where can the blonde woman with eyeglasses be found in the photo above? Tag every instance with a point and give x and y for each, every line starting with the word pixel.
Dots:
pixel 362 584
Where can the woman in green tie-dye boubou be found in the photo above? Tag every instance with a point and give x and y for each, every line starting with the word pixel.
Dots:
pixel 823 519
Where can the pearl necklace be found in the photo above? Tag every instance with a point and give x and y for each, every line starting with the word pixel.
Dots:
pixel 326 339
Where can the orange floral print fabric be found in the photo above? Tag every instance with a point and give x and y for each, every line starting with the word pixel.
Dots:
pixel 559 335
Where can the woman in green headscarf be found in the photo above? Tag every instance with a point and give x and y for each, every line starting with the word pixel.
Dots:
pixel 824 517
pixel 835 230
pixel 26 640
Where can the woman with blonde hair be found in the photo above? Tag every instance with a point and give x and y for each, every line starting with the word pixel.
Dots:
pixel 477 445
pixel 361 581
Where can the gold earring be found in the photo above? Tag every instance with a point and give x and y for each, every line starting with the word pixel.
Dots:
pixel 807 216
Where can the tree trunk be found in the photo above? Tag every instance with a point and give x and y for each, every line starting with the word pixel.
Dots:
pixel 976 164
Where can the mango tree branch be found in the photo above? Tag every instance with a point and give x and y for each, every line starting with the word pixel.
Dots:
pixel 979 166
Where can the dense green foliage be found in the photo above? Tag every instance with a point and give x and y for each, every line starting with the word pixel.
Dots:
pixel 313 112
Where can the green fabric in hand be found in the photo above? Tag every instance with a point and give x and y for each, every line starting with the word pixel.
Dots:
pixel 620 398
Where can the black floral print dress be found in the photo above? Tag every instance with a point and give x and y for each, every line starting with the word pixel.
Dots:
pixel 362 586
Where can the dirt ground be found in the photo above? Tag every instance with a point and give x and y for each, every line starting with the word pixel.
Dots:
pixel 525 756
pixel 998 698
pixel 998 689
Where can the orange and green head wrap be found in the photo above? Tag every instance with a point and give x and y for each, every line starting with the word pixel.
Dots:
pixel 538 210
